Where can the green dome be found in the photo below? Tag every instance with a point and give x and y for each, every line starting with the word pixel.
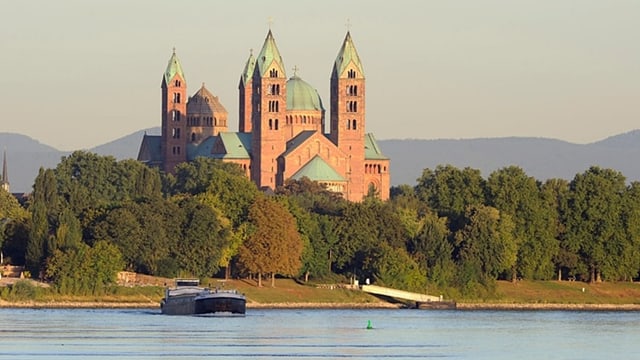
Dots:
pixel 302 96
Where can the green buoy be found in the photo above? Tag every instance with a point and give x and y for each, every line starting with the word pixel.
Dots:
pixel 369 326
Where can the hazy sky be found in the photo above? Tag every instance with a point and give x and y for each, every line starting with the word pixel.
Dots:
pixel 76 74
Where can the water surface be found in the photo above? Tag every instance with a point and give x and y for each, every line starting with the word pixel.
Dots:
pixel 319 334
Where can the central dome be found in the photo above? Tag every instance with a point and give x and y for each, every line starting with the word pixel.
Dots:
pixel 301 95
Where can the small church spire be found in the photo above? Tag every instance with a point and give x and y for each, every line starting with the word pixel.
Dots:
pixel 5 173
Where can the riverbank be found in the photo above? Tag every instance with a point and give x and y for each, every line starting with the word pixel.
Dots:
pixel 289 294
pixel 316 305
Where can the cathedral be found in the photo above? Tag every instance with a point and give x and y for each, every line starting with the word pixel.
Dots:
pixel 281 133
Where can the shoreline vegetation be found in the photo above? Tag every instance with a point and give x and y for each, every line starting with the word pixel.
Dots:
pixel 289 294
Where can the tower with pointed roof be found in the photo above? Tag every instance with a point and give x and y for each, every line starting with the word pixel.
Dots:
pixel 5 173
pixel 347 120
pixel 281 126
pixel 245 88
pixel 269 104
pixel 174 114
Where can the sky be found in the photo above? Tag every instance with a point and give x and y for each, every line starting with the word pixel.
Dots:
pixel 77 73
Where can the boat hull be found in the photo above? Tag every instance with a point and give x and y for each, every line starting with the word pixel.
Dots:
pixel 220 305
pixel 204 302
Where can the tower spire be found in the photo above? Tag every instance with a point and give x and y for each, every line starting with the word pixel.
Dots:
pixel 5 173
pixel 173 68
pixel 269 54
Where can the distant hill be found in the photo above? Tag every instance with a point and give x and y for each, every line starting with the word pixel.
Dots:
pixel 539 157
pixel 25 156
pixel 126 147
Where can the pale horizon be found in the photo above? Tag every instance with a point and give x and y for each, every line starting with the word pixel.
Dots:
pixel 81 74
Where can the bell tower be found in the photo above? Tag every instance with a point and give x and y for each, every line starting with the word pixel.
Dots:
pixel 245 88
pixel 174 115
pixel 268 105
pixel 347 117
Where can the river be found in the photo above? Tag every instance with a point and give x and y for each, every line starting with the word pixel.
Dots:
pixel 319 334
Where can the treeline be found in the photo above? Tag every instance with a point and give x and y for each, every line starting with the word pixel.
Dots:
pixel 453 231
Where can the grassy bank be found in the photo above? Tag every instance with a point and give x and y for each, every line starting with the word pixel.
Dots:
pixel 290 294
pixel 567 292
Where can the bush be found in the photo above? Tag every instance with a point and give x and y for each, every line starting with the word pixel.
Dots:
pixel 22 290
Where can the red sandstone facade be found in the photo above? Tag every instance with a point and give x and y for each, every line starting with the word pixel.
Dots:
pixel 281 126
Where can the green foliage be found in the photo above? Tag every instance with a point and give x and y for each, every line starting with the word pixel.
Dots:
pixel 395 268
pixel 194 177
pixel 432 249
pixel 85 270
pixel 312 196
pixel 86 180
pixel 21 290
pixel 595 227
pixel 14 221
pixel 514 193
pixel 204 237
pixel 486 244
pixel 449 191
pixel 453 230
pixel 274 245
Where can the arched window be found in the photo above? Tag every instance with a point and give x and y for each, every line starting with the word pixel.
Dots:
pixel 270 124
pixel 354 124
pixel 351 74
pixel 348 124
pixel 273 73
pixel 177 83
pixel 176 98
pixel 276 124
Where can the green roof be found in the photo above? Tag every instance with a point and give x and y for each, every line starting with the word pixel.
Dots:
pixel 346 56
pixel 301 95
pixel 371 149
pixel 249 67
pixel 236 146
pixel 268 55
pixel 317 170
pixel 173 68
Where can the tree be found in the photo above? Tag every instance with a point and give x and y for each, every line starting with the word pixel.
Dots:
pixel 195 176
pixel 38 238
pixel 514 193
pixel 13 222
pixel 629 250
pixel 84 270
pixel 393 267
pixel 431 248
pixel 449 191
pixel 595 229
pixel 555 193
pixel 229 195
pixel 274 245
pixel 120 227
pixel 204 238
pixel 69 232
pixel 486 244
